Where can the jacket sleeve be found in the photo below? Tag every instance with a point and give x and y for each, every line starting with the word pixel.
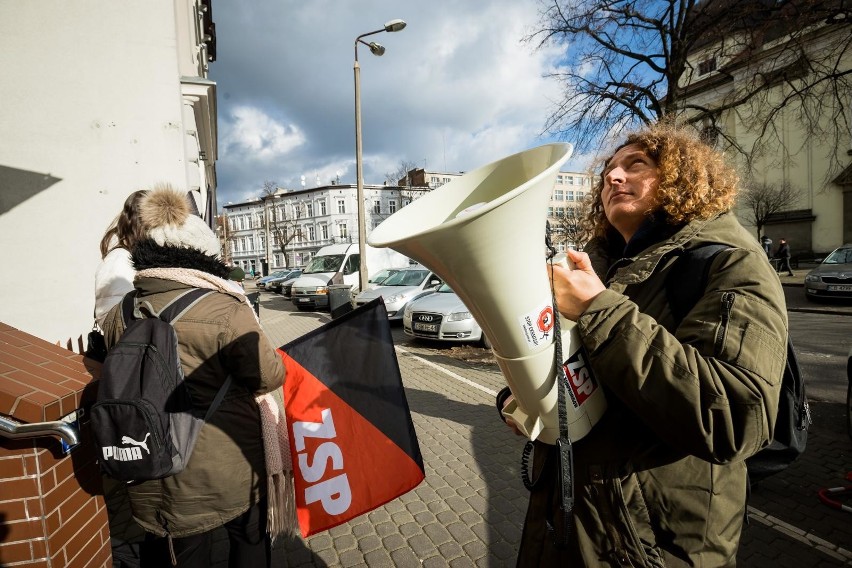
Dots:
pixel 249 356
pixel 712 388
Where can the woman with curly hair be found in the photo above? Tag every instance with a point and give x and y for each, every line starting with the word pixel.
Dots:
pixel 661 479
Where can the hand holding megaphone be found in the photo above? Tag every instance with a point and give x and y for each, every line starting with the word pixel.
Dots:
pixel 574 282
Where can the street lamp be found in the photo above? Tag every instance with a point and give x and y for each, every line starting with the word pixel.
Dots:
pixel 378 50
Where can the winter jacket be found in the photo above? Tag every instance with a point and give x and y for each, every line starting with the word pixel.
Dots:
pixel 217 337
pixel 661 479
pixel 113 279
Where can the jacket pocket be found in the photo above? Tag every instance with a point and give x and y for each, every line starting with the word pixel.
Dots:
pixel 742 340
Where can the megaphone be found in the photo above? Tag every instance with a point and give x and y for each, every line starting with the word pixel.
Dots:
pixel 484 234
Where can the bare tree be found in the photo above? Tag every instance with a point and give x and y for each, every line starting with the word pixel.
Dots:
pixel 763 200
pixel 565 229
pixel 633 62
pixel 283 227
pixel 401 172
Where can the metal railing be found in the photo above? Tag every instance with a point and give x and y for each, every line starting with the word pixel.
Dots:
pixel 65 431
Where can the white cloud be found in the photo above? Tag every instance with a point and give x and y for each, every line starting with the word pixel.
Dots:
pixel 253 134
pixel 456 89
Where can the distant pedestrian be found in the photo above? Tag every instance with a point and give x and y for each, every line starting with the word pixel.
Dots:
pixel 783 254
pixel 766 243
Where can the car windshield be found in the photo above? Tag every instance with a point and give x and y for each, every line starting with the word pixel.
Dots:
pixel 277 274
pixel 293 275
pixel 382 275
pixel 406 278
pixel 444 289
pixel 327 263
pixel 840 256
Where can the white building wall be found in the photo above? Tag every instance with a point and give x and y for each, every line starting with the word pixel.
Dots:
pixel 90 110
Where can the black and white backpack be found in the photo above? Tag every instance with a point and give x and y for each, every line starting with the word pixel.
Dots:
pixel 144 422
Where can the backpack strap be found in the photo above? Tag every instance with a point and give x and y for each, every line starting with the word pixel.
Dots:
pixel 175 309
pixel 220 396
pixel 171 312
pixel 687 280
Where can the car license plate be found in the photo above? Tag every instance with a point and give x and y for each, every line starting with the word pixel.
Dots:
pixel 843 288
pixel 303 300
pixel 433 327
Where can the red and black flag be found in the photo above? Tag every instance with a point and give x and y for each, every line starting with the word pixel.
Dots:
pixel 352 440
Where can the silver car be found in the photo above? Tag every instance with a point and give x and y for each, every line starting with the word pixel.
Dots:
pixel 442 316
pixel 400 288
pixel 833 277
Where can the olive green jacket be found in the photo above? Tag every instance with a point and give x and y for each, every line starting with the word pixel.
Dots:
pixel 217 337
pixel 661 478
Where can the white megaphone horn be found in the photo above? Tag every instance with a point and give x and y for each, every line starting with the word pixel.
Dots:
pixel 484 234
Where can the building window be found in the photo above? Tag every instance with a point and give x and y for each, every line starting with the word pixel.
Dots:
pixel 392 206
pixel 341 206
pixel 322 208
pixel 570 195
pixel 560 212
pixel 309 209
pixel 707 66
pixel 550 211
pixel 312 233
pixel 249 244
pixel 342 231
pixel 559 195
pixel 324 232
pixel 276 260
pixel 377 207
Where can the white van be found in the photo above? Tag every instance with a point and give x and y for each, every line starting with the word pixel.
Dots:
pixel 339 264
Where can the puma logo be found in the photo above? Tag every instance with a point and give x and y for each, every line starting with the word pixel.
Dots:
pixel 142 444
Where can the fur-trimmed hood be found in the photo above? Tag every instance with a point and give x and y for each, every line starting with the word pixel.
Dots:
pixel 148 254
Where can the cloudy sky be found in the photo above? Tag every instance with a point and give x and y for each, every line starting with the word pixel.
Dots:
pixel 456 89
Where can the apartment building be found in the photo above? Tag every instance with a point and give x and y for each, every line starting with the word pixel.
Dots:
pixel 564 208
pixel 286 229
pixel 789 49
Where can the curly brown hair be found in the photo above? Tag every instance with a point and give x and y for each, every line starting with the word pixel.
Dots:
pixel 126 229
pixel 695 181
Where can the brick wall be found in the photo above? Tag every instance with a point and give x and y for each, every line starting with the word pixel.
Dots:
pixel 52 511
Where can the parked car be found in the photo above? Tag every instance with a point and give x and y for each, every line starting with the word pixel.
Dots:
pixel 376 280
pixel 400 288
pixel 261 282
pixel 442 316
pixel 276 284
pixel 287 285
pixel 833 277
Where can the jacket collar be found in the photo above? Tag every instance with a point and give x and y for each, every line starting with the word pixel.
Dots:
pixel 653 247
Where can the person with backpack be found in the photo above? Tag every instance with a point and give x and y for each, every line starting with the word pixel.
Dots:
pixel 221 348
pixel 661 479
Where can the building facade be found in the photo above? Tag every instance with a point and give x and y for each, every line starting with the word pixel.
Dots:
pixel 565 208
pixel 285 229
pixel 774 62
pixel 99 99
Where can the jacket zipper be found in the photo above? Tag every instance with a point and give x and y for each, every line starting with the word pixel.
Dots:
pixel 725 313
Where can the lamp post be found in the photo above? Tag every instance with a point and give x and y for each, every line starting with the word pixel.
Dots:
pixel 378 50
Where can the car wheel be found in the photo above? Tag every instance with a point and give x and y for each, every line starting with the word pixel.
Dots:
pixel 484 341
